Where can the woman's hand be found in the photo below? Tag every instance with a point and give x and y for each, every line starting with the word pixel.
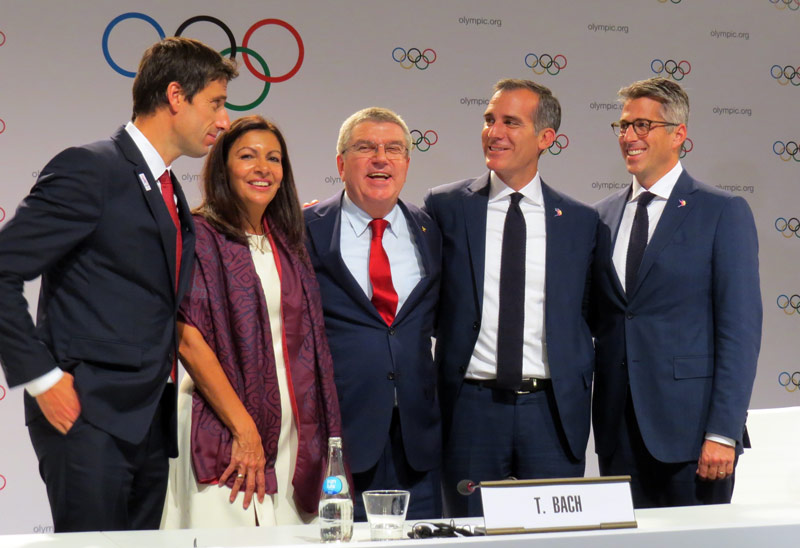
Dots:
pixel 247 463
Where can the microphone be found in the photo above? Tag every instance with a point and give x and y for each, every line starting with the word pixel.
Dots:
pixel 466 487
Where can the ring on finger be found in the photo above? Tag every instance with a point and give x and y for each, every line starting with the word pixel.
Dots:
pixel 239 476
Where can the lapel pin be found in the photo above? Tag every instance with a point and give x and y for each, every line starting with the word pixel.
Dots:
pixel 423 228
pixel 145 184
pixel 681 203
pixel 559 213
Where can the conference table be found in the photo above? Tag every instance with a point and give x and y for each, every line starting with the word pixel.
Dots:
pixel 771 525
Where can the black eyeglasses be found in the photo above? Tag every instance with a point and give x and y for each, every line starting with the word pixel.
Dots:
pixel 641 126
pixel 438 530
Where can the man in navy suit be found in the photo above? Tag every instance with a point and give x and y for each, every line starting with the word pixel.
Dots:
pixel 377 260
pixel 114 259
pixel 677 338
pixel 534 421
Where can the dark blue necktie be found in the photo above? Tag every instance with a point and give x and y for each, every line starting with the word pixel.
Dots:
pixel 638 241
pixel 511 319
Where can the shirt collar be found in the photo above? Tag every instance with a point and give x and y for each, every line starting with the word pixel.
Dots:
pixel 498 190
pixel 359 220
pixel 661 188
pixel 152 158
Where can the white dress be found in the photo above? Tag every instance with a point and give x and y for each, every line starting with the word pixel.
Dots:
pixel 190 504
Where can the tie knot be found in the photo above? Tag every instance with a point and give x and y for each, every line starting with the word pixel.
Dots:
pixel 515 198
pixel 645 198
pixel 378 226
pixel 165 179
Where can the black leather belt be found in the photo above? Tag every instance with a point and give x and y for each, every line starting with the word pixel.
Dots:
pixel 527 386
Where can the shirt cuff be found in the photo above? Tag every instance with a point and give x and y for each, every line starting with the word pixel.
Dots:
pixel 721 439
pixel 42 384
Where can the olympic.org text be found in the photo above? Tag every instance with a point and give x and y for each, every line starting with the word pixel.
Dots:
pixel 478 21
pixel 332 180
pixel 729 34
pixel 608 185
pixel 475 101
pixel 605 106
pixel 607 28
pixel 737 188
pixel 728 111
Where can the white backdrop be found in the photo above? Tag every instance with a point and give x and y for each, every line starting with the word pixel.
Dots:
pixel 434 63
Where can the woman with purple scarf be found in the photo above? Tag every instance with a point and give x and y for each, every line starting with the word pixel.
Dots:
pixel 259 403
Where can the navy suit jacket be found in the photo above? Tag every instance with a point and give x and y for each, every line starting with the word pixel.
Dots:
pixel 686 337
pixel 104 245
pixel 371 359
pixel 460 211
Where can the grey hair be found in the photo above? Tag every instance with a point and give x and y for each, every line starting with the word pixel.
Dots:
pixel 673 99
pixel 371 114
pixel 548 113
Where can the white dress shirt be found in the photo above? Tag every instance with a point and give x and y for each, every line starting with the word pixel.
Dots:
pixel 156 165
pixel 662 189
pixel 483 364
pixel 405 260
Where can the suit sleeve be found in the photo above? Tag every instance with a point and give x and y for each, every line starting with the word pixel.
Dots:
pixel 738 312
pixel 60 212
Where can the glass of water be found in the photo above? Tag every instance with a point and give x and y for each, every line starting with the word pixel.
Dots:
pixel 386 513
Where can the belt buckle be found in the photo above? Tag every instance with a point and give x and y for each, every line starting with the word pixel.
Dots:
pixel 533 382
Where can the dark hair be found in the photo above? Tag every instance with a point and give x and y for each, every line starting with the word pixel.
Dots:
pixel 226 212
pixel 189 62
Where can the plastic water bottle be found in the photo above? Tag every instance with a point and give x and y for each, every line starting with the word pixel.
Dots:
pixel 335 504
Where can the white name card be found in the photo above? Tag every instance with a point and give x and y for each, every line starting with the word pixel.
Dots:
pixel 571 504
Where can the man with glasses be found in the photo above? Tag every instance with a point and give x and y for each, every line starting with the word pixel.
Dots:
pixel 676 314
pixel 513 345
pixel 377 260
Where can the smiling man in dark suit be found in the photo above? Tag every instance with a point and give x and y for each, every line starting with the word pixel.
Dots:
pixel 512 344
pixel 110 232
pixel 676 314
pixel 377 260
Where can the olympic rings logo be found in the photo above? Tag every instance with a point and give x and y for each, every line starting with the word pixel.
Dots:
pixel 786 74
pixel 2 218
pixel 545 63
pixel 2 388
pixel 2 125
pixel 789 305
pixel 2 482
pixel 786 151
pixel 422 141
pixel 686 147
pixel 676 70
pixel 793 5
pixel 414 57
pixel 2 38
pixel 790 381
pixel 792 225
pixel 265 75
pixel 561 142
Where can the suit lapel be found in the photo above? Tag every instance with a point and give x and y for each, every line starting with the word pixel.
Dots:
pixel 675 211
pixel 155 202
pixel 611 216
pixel 556 229
pixel 475 200
pixel 325 231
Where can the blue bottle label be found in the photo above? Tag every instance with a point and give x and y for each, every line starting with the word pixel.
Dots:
pixel 332 485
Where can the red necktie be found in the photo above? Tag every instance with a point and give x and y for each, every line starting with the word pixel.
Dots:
pixel 169 200
pixel 384 297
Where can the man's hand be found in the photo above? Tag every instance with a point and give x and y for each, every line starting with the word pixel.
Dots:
pixel 60 404
pixel 716 461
